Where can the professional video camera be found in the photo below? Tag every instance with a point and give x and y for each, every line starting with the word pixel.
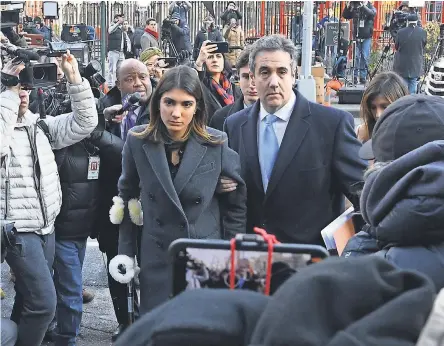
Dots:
pixel 397 21
pixel 8 237
pixel 57 100
pixel 34 75
pixel 166 28
pixel 355 5
pixel 91 72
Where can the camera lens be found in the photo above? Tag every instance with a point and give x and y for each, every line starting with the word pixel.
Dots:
pixel 39 73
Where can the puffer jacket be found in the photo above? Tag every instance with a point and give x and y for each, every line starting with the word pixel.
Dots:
pixel 403 204
pixel 34 196
pixel 83 197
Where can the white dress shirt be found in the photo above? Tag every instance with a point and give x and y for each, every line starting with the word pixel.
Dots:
pixel 280 125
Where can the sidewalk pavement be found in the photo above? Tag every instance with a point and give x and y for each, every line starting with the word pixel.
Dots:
pixel 98 322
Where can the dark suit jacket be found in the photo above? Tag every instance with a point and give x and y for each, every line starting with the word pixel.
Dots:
pixel 409 58
pixel 317 162
pixel 218 119
pixel 186 207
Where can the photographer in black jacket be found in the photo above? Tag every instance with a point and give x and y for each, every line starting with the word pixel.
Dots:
pixel 180 35
pixel 363 14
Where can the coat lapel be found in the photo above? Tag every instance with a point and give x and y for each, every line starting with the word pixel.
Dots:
pixel 294 135
pixel 238 105
pixel 157 159
pixel 193 155
pixel 249 138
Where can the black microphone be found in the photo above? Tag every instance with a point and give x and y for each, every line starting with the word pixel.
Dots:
pixel 132 100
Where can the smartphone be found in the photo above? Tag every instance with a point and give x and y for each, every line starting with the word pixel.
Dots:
pixel 222 47
pixel 207 263
pixel 167 62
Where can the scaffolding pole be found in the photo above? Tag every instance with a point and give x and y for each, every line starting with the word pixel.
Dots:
pixel 103 32
pixel 306 82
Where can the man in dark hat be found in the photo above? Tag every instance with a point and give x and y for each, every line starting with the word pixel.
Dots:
pixel 410 43
pixel 402 201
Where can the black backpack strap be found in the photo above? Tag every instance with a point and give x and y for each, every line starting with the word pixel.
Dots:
pixel 44 127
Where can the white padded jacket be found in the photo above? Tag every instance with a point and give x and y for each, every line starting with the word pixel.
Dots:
pixel 34 193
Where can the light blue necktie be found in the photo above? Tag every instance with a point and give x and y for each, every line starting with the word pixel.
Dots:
pixel 269 147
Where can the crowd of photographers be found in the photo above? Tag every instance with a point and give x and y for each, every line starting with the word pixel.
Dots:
pixel 61 156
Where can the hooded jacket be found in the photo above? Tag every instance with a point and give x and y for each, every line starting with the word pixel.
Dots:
pixel 433 332
pixel 347 302
pixel 403 204
pixel 321 305
pixel 34 197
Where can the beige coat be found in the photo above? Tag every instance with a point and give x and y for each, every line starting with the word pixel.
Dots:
pixel 234 37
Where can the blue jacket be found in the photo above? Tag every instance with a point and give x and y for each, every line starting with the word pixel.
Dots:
pixel 403 205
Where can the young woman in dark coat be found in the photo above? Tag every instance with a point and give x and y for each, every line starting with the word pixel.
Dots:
pixel 173 165
pixel 214 73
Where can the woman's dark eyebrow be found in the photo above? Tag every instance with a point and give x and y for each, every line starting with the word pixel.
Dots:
pixel 166 98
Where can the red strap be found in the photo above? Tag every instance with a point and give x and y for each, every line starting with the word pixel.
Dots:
pixel 233 264
pixel 271 240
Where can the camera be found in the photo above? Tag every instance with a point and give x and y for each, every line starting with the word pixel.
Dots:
pixel 91 72
pixel 355 5
pixel 398 21
pixel 8 237
pixel 34 75
pixel 166 28
pixel 38 76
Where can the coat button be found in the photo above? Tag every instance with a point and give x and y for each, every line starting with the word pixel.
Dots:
pixel 159 244
pixel 198 200
pixel 182 226
pixel 159 223
pixel 151 196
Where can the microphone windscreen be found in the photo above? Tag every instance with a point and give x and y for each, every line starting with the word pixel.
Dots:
pixel 134 98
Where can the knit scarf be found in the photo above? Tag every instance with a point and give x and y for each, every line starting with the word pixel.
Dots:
pixel 152 33
pixel 223 89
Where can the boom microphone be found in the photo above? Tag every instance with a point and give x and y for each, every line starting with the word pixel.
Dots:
pixel 24 54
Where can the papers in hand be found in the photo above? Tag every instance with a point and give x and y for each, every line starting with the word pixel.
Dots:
pixel 339 231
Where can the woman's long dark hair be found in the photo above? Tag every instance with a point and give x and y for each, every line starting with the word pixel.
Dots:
pixel 227 70
pixel 386 84
pixel 186 79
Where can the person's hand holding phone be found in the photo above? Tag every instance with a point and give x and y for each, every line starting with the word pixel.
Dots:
pixel 70 68
pixel 206 50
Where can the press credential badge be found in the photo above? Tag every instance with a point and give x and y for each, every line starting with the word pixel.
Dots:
pixel 93 168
